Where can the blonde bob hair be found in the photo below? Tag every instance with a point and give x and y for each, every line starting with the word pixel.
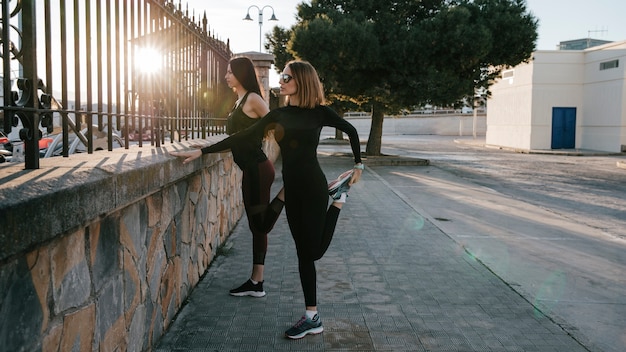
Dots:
pixel 310 91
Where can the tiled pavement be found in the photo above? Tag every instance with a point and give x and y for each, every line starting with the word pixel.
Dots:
pixel 391 281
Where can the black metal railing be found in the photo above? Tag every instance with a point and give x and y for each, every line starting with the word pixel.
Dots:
pixel 123 71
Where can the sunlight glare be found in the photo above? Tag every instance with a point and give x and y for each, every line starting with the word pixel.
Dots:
pixel 148 60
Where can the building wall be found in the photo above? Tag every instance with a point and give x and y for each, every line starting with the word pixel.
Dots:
pixel 604 124
pixel 557 82
pixel 581 44
pixel 520 108
pixel 509 111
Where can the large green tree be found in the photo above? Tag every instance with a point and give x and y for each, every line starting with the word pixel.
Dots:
pixel 388 55
pixel 276 42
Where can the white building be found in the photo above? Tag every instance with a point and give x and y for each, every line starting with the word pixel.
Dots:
pixel 562 99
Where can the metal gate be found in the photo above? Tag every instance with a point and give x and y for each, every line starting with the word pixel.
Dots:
pixel 109 70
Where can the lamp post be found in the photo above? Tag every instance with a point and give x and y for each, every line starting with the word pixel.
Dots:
pixel 260 10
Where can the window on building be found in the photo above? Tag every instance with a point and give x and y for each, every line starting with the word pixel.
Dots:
pixel 609 64
pixel 508 73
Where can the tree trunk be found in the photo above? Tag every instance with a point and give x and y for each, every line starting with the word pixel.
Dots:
pixel 338 133
pixel 374 141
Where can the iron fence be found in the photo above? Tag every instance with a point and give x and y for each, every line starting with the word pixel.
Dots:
pixel 108 73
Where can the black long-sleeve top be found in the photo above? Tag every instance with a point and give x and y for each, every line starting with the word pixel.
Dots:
pixel 297 131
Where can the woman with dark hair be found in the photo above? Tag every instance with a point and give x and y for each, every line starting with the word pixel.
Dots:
pixel 258 170
pixel 297 129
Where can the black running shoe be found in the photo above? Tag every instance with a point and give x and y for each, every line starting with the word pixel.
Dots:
pixel 248 289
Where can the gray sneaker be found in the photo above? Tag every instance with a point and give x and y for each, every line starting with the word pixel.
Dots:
pixel 305 326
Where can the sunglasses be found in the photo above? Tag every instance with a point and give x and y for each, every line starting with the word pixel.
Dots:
pixel 285 78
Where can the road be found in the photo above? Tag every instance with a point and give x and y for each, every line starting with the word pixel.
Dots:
pixel 553 227
pixel 589 190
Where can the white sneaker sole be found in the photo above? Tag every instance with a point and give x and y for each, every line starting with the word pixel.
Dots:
pixel 248 293
pixel 313 331
pixel 344 177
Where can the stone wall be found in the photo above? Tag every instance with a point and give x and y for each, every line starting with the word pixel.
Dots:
pixel 100 251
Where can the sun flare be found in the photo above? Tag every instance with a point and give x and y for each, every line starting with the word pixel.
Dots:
pixel 148 60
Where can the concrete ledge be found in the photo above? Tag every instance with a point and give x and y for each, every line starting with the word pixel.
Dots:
pixel 36 205
pixel 394 160
pixel 104 249
pixel 383 160
pixel 564 152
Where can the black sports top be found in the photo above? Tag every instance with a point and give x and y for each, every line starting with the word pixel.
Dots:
pixel 297 131
pixel 246 152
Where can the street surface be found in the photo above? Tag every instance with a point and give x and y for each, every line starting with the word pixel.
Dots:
pixel 553 227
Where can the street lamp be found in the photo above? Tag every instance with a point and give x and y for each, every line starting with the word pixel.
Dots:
pixel 260 10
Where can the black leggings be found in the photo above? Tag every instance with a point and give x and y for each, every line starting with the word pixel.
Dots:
pixel 306 264
pixel 312 224
pixel 262 215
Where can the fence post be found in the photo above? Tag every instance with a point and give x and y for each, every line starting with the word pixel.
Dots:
pixel 28 84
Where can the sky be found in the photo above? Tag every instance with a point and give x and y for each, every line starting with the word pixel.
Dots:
pixel 562 20
pixel 559 20
pixel 225 19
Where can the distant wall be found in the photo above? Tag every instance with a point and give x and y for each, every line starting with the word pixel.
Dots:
pixel 453 125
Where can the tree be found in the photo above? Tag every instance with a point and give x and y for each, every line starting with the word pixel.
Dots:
pixel 276 42
pixel 396 54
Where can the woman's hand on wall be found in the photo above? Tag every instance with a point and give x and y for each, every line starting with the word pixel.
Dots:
pixel 188 156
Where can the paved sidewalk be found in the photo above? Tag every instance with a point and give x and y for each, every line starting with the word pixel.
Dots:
pixel 391 281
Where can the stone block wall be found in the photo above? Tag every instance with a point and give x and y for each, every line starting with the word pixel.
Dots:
pixel 115 281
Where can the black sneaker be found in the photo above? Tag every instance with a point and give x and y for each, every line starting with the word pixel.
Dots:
pixel 340 185
pixel 249 289
pixel 305 326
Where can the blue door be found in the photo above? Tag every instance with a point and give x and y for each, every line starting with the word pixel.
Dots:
pixel 563 128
